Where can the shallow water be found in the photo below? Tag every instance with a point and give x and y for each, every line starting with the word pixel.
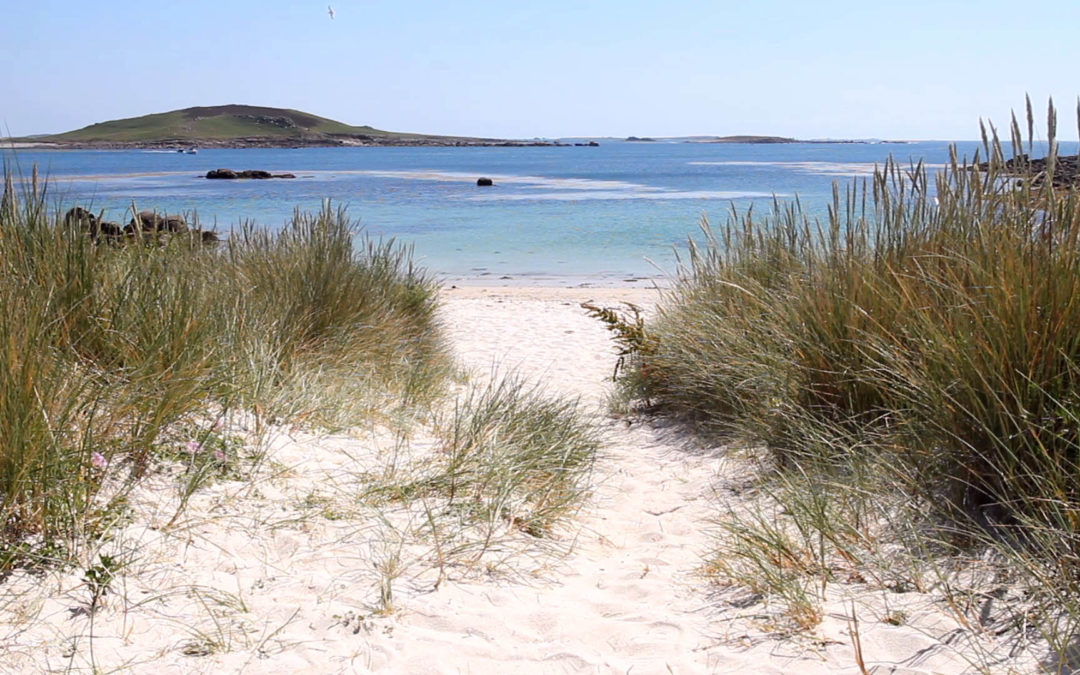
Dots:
pixel 555 213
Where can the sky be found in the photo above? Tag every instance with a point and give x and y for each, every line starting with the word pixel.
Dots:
pixel 809 69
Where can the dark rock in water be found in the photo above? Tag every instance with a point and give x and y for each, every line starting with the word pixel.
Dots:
pixel 484 182
pixel 110 229
pixel 1066 170
pixel 254 173
pixel 82 218
pixel 91 224
pixel 151 221
pixel 146 226
pixel 247 173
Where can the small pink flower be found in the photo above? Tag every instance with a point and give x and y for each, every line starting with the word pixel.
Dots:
pixel 193 447
pixel 219 455
pixel 98 460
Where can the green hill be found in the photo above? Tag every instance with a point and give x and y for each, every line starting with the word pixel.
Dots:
pixel 239 126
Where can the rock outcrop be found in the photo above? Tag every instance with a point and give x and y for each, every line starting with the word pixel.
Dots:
pixel 1066 170
pixel 147 226
pixel 153 222
pixel 153 227
pixel 91 224
pixel 484 182
pixel 229 174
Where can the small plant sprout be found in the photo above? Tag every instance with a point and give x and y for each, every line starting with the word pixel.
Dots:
pixel 99 577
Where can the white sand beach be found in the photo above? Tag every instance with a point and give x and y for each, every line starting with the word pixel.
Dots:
pixel 293 569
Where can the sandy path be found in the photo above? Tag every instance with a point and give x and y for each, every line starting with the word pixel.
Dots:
pixel 626 599
pixel 630 597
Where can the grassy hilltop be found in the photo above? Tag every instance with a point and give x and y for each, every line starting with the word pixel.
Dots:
pixel 215 122
pixel 239 126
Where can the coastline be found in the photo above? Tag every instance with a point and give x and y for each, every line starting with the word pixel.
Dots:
pixel 558 284
pixel 411 141
pixel 284 144
pixel 640 296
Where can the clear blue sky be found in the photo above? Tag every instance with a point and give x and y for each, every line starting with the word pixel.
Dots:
pixel 918 69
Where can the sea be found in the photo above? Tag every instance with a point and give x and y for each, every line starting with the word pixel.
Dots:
pixel 614 214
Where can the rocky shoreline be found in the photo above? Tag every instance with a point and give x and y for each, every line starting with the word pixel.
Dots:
pixel 289 143
pixel 1066 170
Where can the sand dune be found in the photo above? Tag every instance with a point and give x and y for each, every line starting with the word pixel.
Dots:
pixel 289 570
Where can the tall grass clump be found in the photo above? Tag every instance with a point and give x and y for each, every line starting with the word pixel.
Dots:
pixel 334 316
pixel 519 455
pixel 110 354
pixel 919 345
pixel 512 456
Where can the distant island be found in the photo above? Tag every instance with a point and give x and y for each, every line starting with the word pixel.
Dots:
pixel 750 139
pixel 779 139
pixel 747 139
pixel 717 139
pixel 243 126
pixel 247 126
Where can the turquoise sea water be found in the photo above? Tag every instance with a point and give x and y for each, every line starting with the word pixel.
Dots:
pixel 555 213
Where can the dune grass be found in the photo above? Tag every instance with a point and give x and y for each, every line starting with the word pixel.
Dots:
pixel 112 357
pixel 136 363
pixel 515 454
pixel 911 365
pixel 511 458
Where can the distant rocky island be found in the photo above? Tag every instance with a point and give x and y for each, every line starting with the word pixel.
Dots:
pixel 779 139
pixel 717 139
pixel 746 139
pixel 247 126
pixel 243 126
pixel 750 139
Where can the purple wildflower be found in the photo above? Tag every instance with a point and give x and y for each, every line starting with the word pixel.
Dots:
pixel 193 447
pixel 98 460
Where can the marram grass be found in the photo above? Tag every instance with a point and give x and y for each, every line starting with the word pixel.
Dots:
pixel 106 350
pixel 512 456
pixel 919 350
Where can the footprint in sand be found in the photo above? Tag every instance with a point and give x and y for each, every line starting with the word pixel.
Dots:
pixel 656 633
pixel 651 537
pixel 567 662
pixel 629 591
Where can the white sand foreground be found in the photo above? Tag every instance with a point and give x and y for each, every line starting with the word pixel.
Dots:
pixel 290 571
